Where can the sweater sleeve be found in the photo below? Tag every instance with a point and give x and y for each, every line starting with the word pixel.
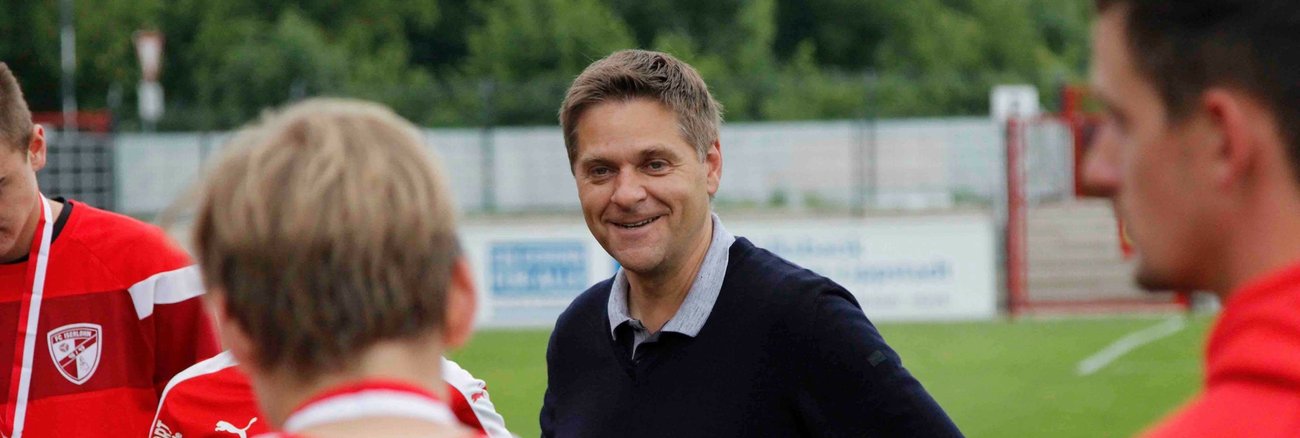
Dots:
pixel 855 385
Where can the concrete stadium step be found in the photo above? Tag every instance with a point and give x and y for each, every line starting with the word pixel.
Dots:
pixel 1088 288
pixel 1094 272
pixel 1073 254
pixel 1081 250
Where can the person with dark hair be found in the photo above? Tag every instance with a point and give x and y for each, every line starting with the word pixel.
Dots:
pixel 701 333
pixel 98 310
pixel 1200 152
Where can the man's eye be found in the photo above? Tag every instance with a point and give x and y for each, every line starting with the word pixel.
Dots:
pixel 657 165
pixel 600 171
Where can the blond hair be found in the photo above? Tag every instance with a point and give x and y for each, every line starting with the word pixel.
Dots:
pixel 642 74
pixel 15 118
pixel 326 228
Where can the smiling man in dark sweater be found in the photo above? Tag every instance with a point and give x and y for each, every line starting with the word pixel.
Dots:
pixel 700 333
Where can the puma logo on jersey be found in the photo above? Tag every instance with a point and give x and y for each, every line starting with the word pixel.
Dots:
pixel 223 426
pixel 75 349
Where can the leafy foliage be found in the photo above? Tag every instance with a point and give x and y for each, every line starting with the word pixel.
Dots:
pixel 473 62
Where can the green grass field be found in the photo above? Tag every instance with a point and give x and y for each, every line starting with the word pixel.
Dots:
pixel 996 379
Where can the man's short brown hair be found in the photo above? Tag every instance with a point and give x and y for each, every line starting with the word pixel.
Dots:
pixel 641 74
pixel 326 228
pixel 15 118
pixel 1184 47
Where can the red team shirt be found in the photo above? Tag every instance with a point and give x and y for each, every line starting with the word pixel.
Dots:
pixel 213 399
pixel 1252 366
pixel 367 399
pixel 119 314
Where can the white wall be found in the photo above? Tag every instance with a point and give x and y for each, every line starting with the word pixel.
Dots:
pixel 916 164
pixel 913 268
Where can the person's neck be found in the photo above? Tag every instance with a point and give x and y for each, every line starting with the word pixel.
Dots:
pixel 23 246
pixel 417 362
pixel 1267 239
pixel 654 299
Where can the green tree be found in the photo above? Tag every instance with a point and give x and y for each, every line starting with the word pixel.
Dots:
pixel 467 62
pixel 259 65
pixel 531 49
pixel 740 69
pixel 805 91
pixel 105 48
pixel 522 39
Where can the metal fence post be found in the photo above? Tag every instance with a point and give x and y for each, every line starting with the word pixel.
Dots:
pixel 487 147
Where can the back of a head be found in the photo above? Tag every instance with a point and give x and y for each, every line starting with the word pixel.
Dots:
pixel 658 76
pixel 15 118
pixel 327 228
pixel 1187 46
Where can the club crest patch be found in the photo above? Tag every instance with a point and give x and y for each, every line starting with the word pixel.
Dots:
pixel 75 349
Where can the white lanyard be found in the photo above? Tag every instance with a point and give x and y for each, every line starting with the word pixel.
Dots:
pixel 364 403
pixel 33 318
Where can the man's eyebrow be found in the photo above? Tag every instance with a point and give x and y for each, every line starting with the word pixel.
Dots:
pixel 1109 104
pixel 658 150
pixel 588 160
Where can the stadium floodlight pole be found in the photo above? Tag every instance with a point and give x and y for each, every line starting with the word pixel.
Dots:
pixel 68 55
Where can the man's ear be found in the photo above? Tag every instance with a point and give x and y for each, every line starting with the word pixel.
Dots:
pixel 36 149
pixel 462 305
pixel 1228 132
pixel 713 162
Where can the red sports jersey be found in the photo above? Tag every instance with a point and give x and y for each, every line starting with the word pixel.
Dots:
pixel 1252 366
pixel 367 399
pixel 213 399
pixel 99 317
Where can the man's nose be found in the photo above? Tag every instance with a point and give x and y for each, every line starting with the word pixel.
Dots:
pixel 629 190
pixel 1101 167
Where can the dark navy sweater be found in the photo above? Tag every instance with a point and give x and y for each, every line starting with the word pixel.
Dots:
pixel 785 352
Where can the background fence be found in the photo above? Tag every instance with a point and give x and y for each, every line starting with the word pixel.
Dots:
pixel 822 167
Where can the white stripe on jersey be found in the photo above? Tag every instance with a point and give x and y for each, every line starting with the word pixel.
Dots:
pixel 211 365
pixel 166 288
pixel 368 403
pixel 494 425
pixel 33 319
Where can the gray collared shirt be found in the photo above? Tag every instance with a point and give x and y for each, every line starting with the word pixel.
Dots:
pixel 697 306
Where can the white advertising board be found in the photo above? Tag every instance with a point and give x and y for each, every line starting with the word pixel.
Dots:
pixel 907 268
pixel 528 274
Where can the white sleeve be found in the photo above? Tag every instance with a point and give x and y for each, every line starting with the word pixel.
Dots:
pixel 475 392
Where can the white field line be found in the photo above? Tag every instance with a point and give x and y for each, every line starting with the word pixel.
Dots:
pixel 1129 343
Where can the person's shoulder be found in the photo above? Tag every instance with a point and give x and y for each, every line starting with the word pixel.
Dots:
pixel 1271 411
pixel 750 263
pixel 457 376
pixel 590 304
pixel 217 371
pixel 203 394
pixel 130 247
pixel 116 227
pixel 773 285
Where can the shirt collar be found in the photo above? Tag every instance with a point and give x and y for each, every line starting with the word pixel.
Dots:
pixel 697 306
